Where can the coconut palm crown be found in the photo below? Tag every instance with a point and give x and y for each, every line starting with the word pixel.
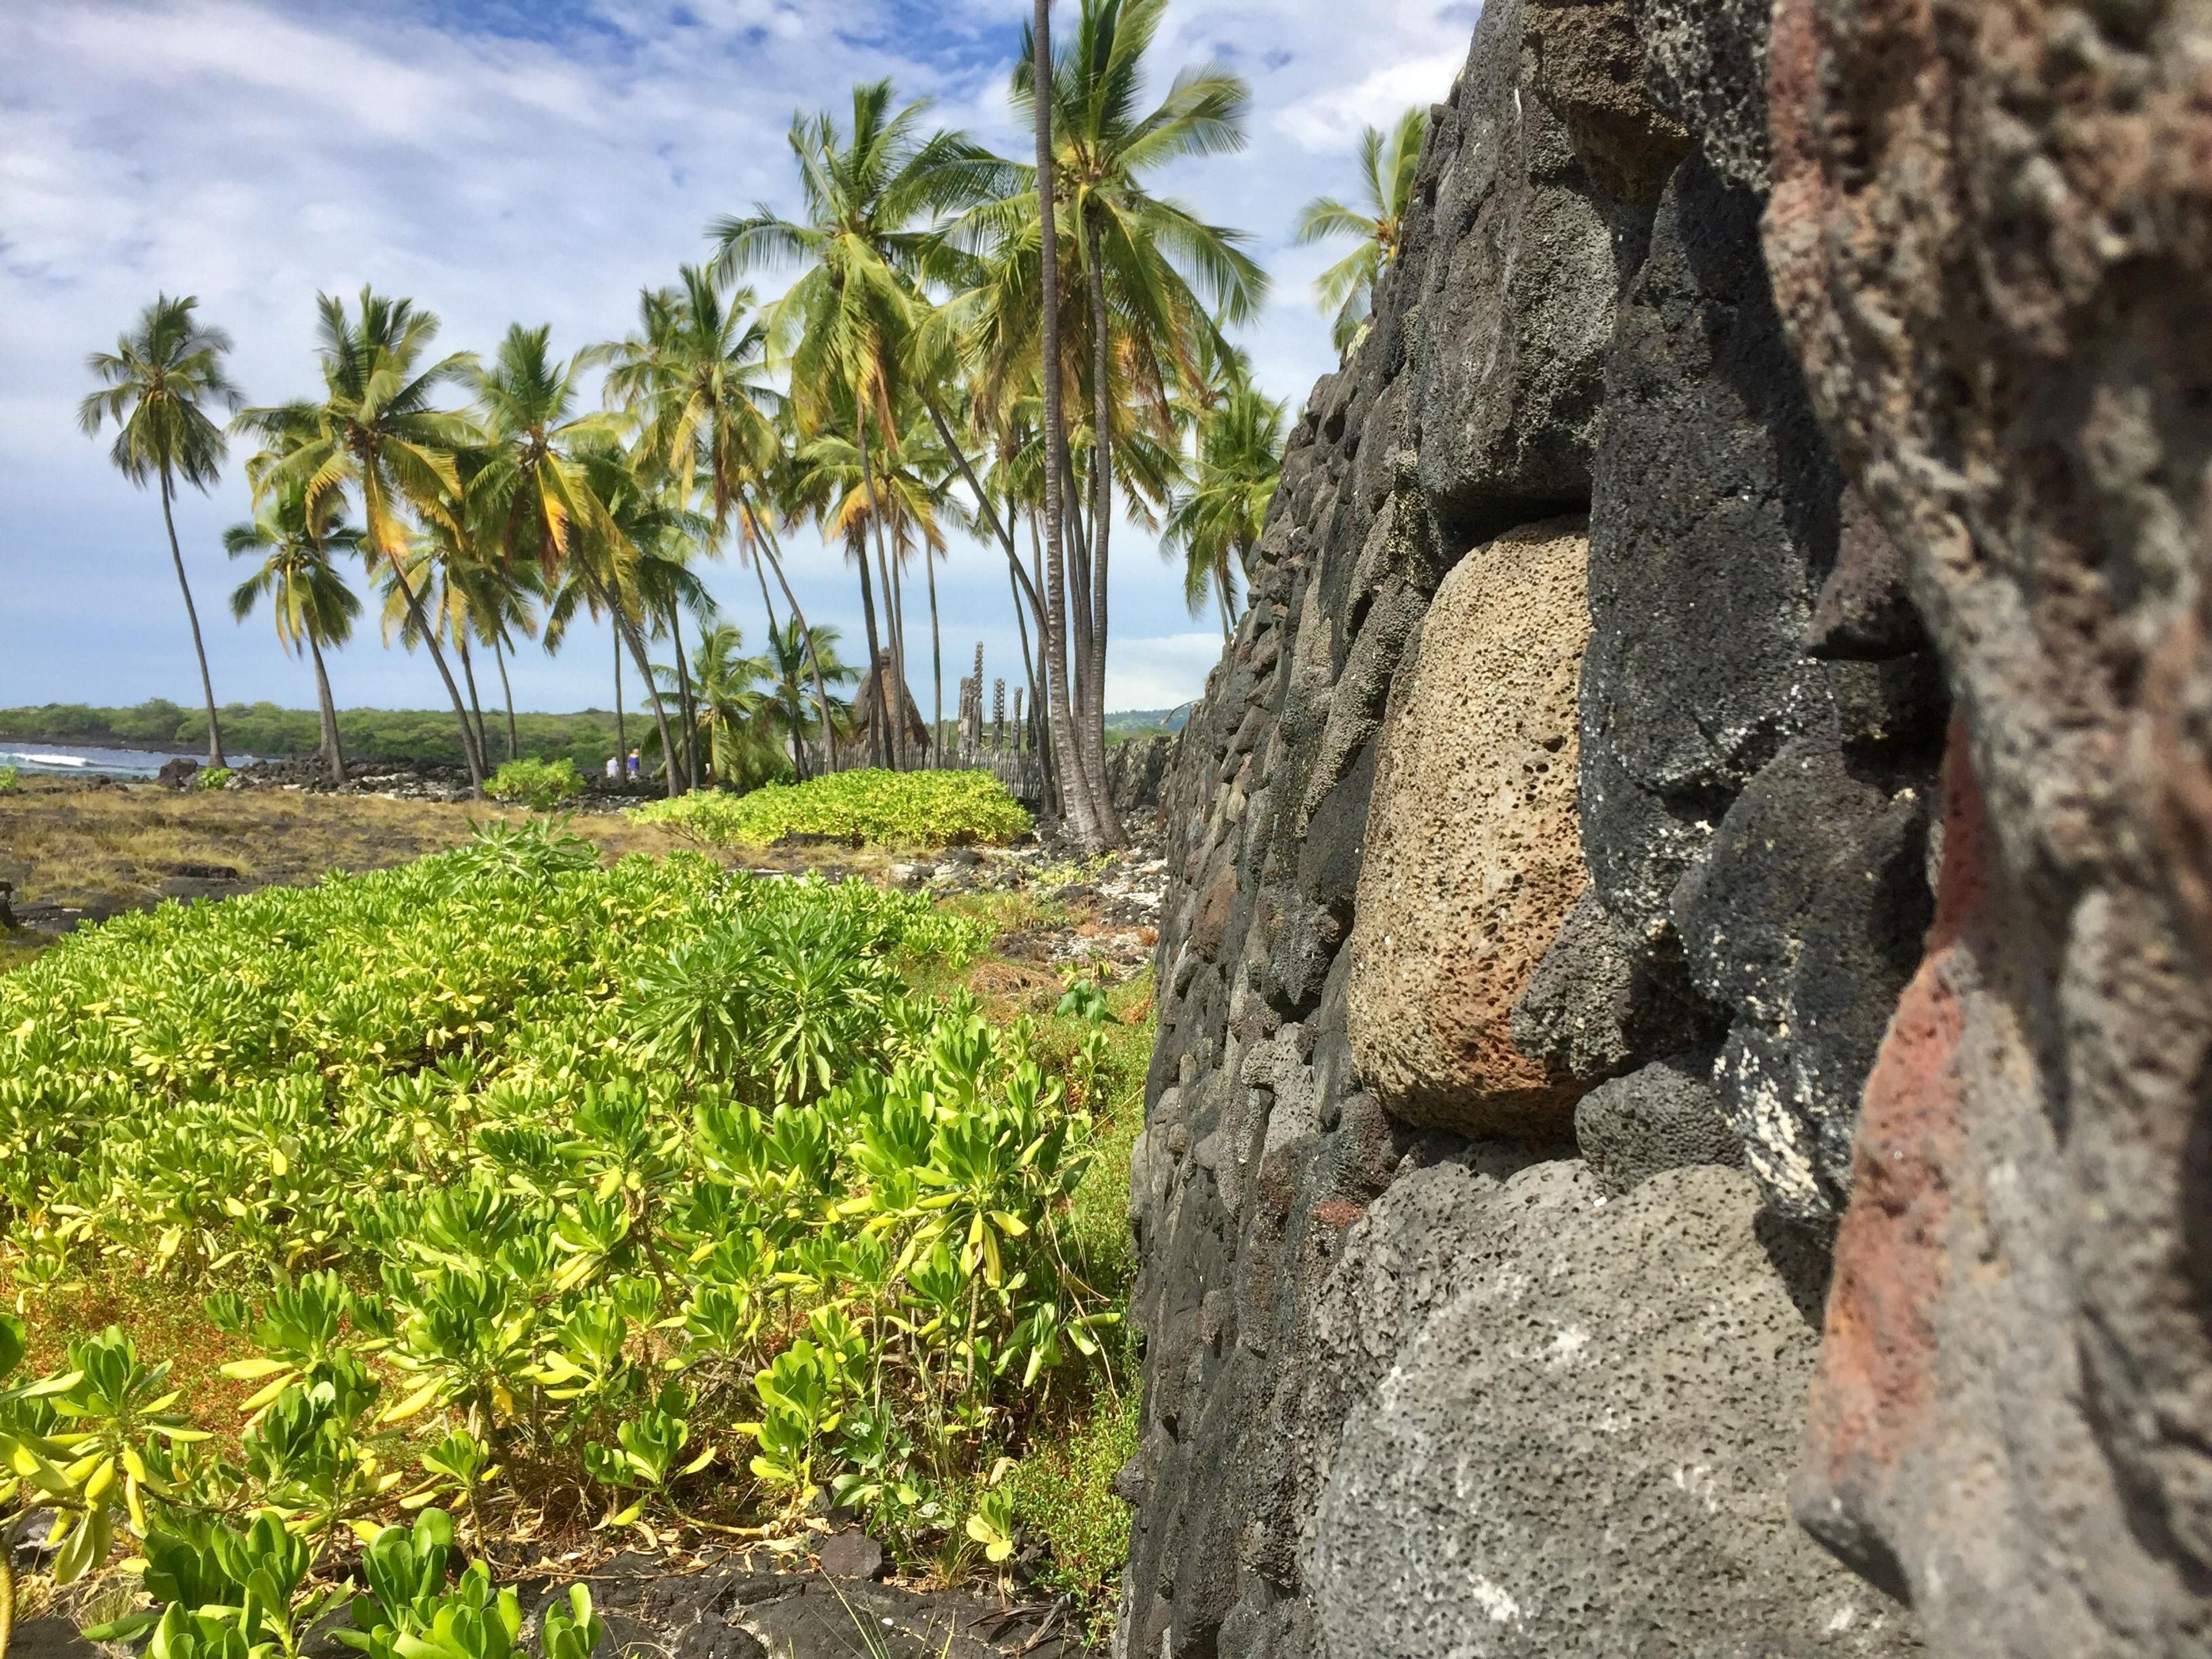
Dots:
pixel 156 386
pixel 1388 167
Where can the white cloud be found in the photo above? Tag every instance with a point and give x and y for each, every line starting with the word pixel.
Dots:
pixel 505 160
pixel 1161 671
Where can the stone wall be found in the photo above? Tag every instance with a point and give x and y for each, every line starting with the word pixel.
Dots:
pixel 1555 854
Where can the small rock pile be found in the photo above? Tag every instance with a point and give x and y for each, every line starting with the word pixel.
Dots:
pixel 1112 900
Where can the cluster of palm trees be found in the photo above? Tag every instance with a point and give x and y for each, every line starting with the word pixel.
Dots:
pixel 1027 352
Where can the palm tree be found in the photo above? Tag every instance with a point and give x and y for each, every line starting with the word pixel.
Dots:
pixel 872 198
pixel 1079 786
pixel 692 379
pixel 310 599
pixel 429 600
pixel 1146 260
pixel 154 383
pixel 909 497
pixel 542 495
pixel 1388 167
pixel 794 655
pixel 1217 520
pixel 735 718
pixel 377 432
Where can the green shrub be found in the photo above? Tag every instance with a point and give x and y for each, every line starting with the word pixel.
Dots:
pixel 1063 1496
pixel 541 785
pixel 11 779
pixel 211 777
pixel 889 809
pixel 661 1180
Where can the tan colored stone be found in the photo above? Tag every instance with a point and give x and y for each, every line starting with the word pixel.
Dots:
pixel 1473 853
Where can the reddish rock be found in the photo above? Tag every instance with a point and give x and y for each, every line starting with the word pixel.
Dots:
pixel 1990 238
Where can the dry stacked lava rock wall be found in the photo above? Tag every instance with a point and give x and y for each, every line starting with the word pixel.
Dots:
pixel 1555 857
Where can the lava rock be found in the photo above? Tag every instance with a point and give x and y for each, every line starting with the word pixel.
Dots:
pixel 1565 1462
pixel 1988 248
pixel 1594 1006
pixel 850 1554
pixel 1472 864
pixel 1704 62
pixel 1665 1116
pixel 1713 513
pixel 1807 917
pixel 177 771
pixel 1516 303
pixel 1589 73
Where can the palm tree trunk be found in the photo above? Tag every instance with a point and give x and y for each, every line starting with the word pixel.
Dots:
pixel 475 761
pixel 813 658
pixel 1221 601
pixel 507 690
pixel 1082 818
pixel 630 636
pixel 1093 733
pixel 1040 709
pixel 791 684
pixel 476 703
pixel 1029 665
pixel 193 616
pixel 878 740
pixel 333 754
pixel 895 743
pixel 898 650
pixel 684 702
pixel 1003 531
pixel 622 740
pixel 936 664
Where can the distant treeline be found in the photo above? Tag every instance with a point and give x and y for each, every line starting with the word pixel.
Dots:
pixel 263 728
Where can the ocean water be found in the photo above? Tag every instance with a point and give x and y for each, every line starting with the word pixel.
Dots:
pixel 55 760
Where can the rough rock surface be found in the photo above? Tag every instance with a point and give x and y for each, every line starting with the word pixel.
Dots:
pixel 1588 69
pixel 1134 768
pixel 1287 1221
pixel 1917 446
pixel 1665 1116
pixel 1705 62
pixel 1989 236
pixel 1581 1450
pixel 1514 313
pixel 1753 817
pixel 1472 866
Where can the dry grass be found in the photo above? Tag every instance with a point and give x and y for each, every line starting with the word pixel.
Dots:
pixel 110 849
pixel 66 844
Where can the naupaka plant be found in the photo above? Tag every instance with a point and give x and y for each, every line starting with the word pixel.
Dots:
pixel 657 1192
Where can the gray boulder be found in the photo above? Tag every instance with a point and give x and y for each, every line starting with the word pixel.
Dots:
pixel 1584 1451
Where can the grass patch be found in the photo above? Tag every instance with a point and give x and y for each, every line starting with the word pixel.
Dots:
pixel 1063 1494
pixel 887 809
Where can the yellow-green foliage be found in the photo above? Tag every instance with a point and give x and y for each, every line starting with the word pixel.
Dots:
pixel 661 1182
pixel 540 785
pixel 11 779
pixel 890 809
pixel 1063 1494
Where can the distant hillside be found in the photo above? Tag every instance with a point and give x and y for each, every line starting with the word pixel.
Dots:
pixel 587 736
pixel 1142 722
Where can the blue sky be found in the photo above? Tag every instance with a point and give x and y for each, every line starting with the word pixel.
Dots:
pixel 536 160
